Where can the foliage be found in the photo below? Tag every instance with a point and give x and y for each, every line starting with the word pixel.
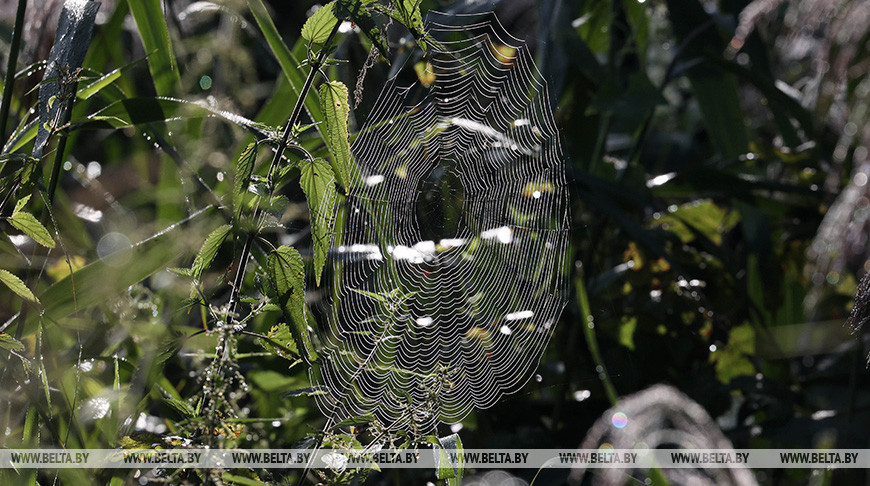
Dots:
pixel 701 176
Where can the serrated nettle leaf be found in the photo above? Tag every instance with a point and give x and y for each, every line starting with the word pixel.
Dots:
pixel 260 189
pixel 208 250
pixel 9 343
pixel 16 285
pixel 317 182
pixel 21 203
pixel 29 225
pixel 278 205
pixel 318 27
pixel 244 169
pixel 279 340
pixel 333 101
pixel 287 276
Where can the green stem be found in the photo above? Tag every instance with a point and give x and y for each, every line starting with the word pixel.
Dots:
pixel 592 341
pixel 58 153
pixel 279 152
pixel 11 65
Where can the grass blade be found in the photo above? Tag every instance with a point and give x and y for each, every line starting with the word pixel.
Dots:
pixel 151 23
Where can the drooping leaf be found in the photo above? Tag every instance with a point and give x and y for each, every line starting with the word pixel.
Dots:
pixel 287 275
pixel 317 183
pixel 244 169
pixel 29 225
pixel 17 286
pixel 333 100
pixel 72 38
pixel 151 25
pixel 9 343
pixel 208 250
pixel 318 27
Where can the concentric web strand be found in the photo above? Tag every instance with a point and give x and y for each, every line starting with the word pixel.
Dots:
pixel 448 261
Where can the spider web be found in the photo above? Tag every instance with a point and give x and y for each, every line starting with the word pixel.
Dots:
pixel 449 253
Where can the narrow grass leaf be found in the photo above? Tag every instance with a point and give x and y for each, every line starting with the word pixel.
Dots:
pixel 288 62
pixel 72 38
pixel 151 24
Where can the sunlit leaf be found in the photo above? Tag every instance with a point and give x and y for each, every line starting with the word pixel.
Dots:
pixel 318 27
pixel 17 286
pixel 9 343
pixel 287 276
pixel 333 100
pixel 244 169
pixel 317 182
pixel 151 25
pixel 29 225
pixel 208 250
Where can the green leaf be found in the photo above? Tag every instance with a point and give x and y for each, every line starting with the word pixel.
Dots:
pixel 21 203
pixel 289 64
pixel 9 343
pixel 181 407
pixel 318 27
pixel 236 479
pixel 410 17
pixel 280 341
pixel 151 24
pixel 208 251
pixel 333 100
pixel 129 112
pixel 17 286
pixel 287 275
pixel 244 169
pixel 30 226
pixel 317 183
pixel 449 468
pixel 105 80
pixel 305 392
pixel 358 420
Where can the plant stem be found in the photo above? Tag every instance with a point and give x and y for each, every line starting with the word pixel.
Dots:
pixel 279 152
pixel 10 66
pixel 59 151
pixel 592 340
